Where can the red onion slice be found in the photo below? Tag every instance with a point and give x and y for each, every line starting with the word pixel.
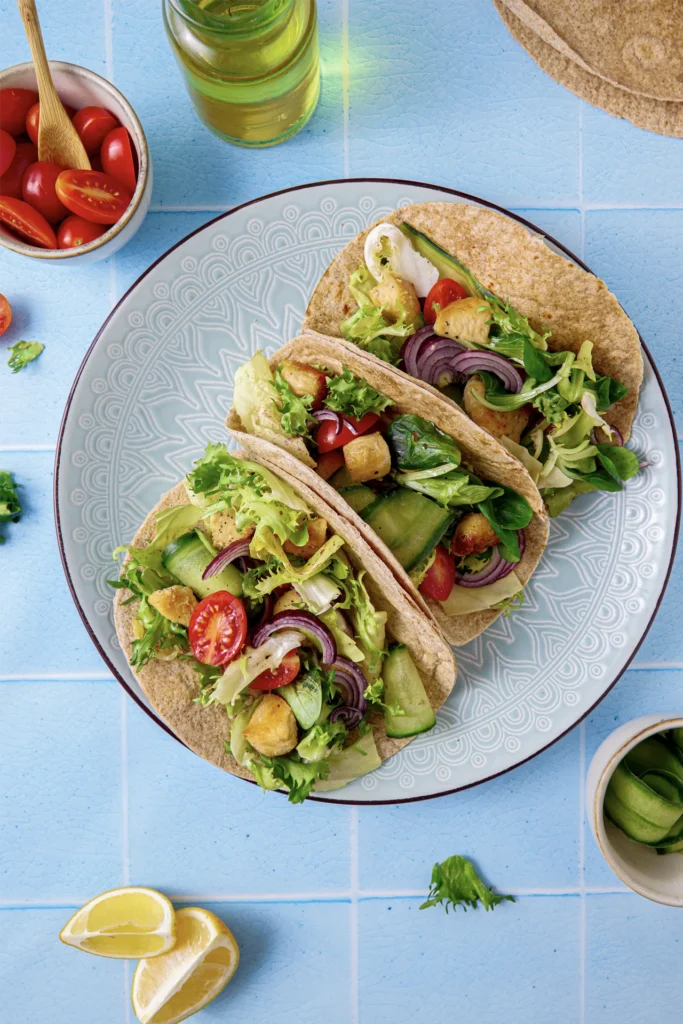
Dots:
pixel 617 440
pixel 238 549
pixel 411 347
pixel 326 414
pixel 351 717
pixel 351 679
pixel 305 621
pixel 497 569
pixel 471 362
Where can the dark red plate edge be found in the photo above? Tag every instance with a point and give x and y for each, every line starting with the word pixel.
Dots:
pixel 297 188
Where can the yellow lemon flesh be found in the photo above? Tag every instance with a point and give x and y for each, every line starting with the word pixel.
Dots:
pixel 124 923
pixel 169 988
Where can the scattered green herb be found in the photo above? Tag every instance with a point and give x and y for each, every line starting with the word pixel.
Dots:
pixel 455 883
pixel 10 508
pixel 23 353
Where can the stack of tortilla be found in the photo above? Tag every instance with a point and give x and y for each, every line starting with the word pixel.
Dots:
pixel 625 57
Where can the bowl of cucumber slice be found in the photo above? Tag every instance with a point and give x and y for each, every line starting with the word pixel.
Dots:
pixel 634 801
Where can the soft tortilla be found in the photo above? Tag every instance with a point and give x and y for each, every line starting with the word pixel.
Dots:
pixel 517 265
pixel 171 686
pixel 640 106
pixel 481 453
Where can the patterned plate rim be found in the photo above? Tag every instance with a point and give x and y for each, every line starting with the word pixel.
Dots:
pixel 287 191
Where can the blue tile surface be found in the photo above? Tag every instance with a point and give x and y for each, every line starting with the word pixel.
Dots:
pixel 633 952
pixel 255 844
pixel 61 832
pixel 93 794
pixel 42 980
pixel 519 962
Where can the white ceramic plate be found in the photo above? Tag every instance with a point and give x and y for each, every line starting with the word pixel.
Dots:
pixel 156 385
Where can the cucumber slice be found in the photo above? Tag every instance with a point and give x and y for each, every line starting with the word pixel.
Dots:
pixel 654 753
pixel 666 784
pixel 342 478
pixel 358 497
pixel 635 826
pixel 410 524
pixel 447 265
pixel 677 737
pixel 403 686
pixel 642 800
pixel 305 698
pixel 187 557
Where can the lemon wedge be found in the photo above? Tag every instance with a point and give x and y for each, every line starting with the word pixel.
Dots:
pixel 169 988
pixel 124 923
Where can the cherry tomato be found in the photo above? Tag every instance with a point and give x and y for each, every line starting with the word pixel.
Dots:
pixel 14 106
pixel 92 124
pixel 26 222
pixel 442 293
pixel 11 180
pixel 38 190
pixel 76 231
pixel 8 148
pixel 440 577
pixel 117 157
pixel 326 439
pixel 218 628
pixel 286 672
pixel 329 463
pixel 33 120
pixel 91 194
pixel 5 314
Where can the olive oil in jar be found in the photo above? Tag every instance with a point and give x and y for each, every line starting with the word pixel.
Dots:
pixel 252 69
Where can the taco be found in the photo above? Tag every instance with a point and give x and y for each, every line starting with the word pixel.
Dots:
pixel 269 636
pixel 475 307
pixel 460 523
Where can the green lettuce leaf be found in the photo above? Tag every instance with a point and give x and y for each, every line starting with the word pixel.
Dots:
pixel 279 569
pixel 417 444
pixel 353 396
pixel 10 507
pixel 297 776
pixel 23 353
pixel 322 740
pixel 295 416
pixel 507 512
pixel 367 328
pixel 450 490
pixel 455 883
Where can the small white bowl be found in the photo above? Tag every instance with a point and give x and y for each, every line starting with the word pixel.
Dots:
pixel 78 87
pixel 639 867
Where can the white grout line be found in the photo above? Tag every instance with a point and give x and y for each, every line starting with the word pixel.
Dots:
pixel 582 873
pixel 310 897
pixel 582 207
pixel 353 915
pixel 125 852
pixel 126 993
pixel 345 83
pixel 108 40
pixel 27 449
pixel 58 677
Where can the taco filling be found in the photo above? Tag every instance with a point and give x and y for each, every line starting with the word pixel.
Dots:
pixel 249 586
pixel 459 538
pixel 422 310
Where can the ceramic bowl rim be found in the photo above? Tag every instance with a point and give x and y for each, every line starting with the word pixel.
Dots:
pixel 139 139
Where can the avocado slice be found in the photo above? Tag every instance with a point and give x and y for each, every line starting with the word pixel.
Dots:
pixel 447 265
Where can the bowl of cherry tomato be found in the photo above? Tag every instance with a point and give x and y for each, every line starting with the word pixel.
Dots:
pixel 57 213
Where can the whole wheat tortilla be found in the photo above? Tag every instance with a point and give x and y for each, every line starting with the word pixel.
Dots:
pixel 517 265
pixel 656 115
pixel 481 453
pixel 171 686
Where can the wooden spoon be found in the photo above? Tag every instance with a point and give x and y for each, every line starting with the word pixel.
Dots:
pixel 58 140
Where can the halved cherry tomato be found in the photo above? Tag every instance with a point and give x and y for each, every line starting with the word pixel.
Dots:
pixel 286 672
pixel 329 463
pixel 33 120
pixel 92 194
pixel 8 148
pixel 14 106
pixel 117 157
pixel 38 190
pixel 218 628
pixel 11 180
pixel 440 577
pixel 5 314
pixel 92 124
pixel 26 222
pixel 76 231
pixel 326 439
pixel 442 293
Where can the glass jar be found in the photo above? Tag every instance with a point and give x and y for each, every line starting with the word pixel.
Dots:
pixel 252 69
